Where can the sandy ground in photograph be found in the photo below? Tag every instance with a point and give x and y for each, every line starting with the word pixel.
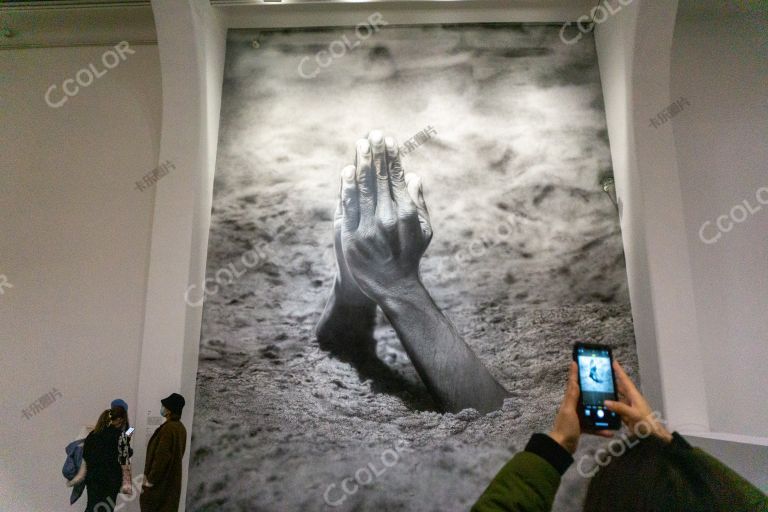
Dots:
pixel 526 259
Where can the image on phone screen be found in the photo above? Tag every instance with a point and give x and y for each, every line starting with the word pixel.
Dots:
pixel 597 385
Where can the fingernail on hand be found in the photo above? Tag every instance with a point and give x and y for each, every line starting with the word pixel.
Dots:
pixel 391 145
pixel 376 137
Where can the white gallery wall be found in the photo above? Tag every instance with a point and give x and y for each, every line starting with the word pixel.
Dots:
pixel 706 350
pixel 74 245
pixel 720 66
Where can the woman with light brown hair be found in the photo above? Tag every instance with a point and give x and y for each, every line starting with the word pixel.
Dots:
pixel 100 467
pixel 101 424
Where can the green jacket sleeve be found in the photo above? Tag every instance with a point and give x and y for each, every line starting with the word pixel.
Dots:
pixel 528 482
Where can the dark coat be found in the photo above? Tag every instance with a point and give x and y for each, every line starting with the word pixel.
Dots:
pixel 103 475
pixel 163 468
pixel 529 482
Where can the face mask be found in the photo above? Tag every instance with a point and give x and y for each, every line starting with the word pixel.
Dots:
pixel 163 410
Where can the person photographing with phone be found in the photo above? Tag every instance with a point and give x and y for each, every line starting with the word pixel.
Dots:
pixel 659 472
pixel 119 409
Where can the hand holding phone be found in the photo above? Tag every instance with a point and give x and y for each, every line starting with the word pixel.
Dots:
pixel 634 410
pixel 129 431
pixel 567 428
pixel 596 385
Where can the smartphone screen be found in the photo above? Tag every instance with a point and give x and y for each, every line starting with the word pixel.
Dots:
pixel 597 384
pixel 129 431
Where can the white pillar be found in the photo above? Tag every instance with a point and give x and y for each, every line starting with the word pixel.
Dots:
pixel 634 52
pixel 191 41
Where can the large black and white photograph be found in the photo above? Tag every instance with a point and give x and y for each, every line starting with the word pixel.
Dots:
pixel 409 231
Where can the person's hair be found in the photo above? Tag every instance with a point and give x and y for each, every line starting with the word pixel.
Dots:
pixel 103 421
pixel 655 475
pixel 118 412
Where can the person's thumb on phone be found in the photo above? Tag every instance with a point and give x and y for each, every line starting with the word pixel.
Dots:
pixel 639 421
pixel 627 413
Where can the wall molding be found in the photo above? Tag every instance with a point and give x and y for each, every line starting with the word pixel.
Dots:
pixel 72 26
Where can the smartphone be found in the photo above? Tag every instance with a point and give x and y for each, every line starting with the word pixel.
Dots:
pixel 129 431
pixel 596 384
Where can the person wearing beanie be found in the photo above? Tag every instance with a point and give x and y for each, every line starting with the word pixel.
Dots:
pixel 119 408
pixel 119 402
pixel 161 489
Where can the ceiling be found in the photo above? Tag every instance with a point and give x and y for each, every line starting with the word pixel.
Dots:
pixel 52 23
pixel 688 6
